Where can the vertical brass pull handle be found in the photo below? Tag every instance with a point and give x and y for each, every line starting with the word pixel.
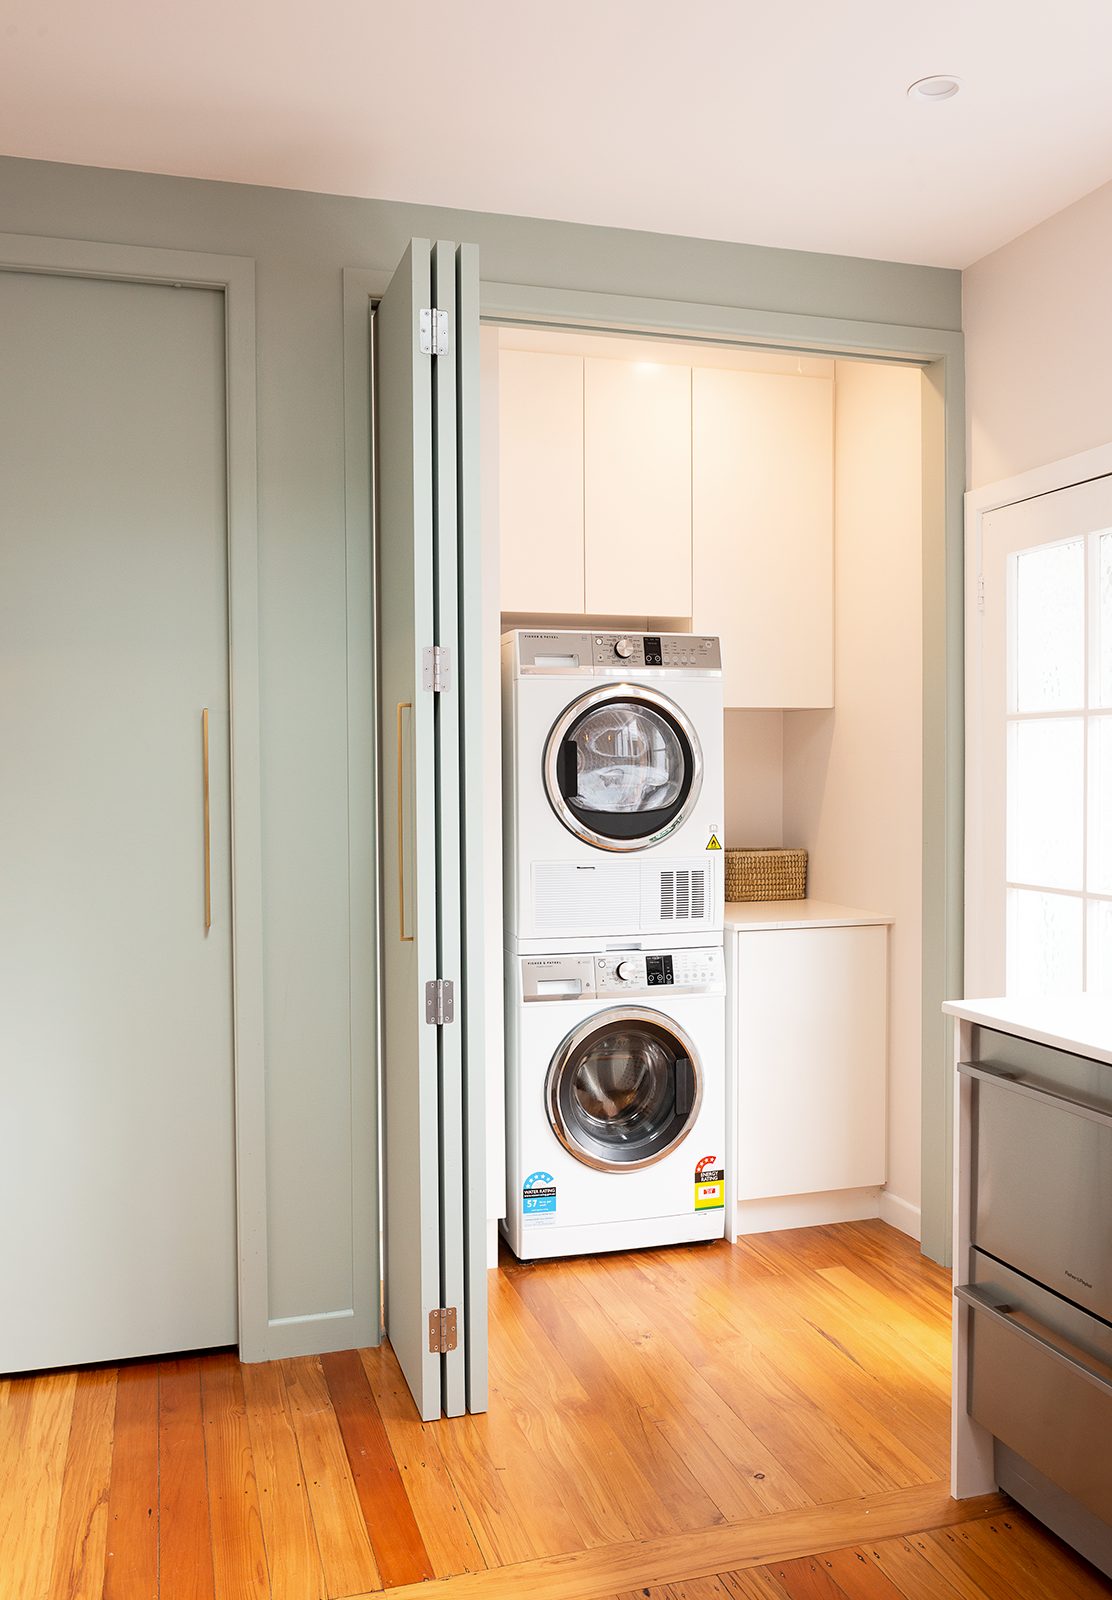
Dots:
pixel 406 938
pixel 207 821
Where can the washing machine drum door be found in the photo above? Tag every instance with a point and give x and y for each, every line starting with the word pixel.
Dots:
pixel 623 767
pixel 624 1089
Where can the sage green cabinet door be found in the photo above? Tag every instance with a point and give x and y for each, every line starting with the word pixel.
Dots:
pixel 117 1158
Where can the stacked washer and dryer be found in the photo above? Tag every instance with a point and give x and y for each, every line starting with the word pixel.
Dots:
pixel 615 982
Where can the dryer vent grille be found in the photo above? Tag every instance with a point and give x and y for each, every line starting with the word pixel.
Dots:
pixel 683 894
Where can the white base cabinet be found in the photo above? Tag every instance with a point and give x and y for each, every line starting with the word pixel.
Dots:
pixel 808 1042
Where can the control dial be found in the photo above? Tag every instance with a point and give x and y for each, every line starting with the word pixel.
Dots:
pixel 625 971
pixel 624 648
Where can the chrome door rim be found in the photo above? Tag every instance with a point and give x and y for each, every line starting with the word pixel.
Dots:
pixel 611 1017
pixel 558 732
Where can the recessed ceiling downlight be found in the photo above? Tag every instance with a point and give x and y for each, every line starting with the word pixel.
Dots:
pixel 940 86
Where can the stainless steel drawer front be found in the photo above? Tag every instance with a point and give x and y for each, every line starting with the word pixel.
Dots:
pixel 1099 1375
pixel 1043 1180
pixel 1040 1382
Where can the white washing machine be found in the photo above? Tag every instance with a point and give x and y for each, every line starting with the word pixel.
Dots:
pixel 616 1122
pixel 612 760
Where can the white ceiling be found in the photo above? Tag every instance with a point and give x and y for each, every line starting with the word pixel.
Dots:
pixel 775 123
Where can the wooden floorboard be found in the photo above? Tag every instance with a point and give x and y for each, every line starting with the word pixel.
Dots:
pixel 82 1531
pixel 766 1421
pixel 238 1552
pixel 289 1535
pixel 395 1537
pixel 131 1545
pixel 185 1527
pixel 783 1536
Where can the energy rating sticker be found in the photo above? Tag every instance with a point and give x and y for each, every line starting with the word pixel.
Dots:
pixel 710 1185
pixel 538 1200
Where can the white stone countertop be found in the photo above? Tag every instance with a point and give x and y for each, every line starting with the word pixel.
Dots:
pixel 755 915
pixel 1081 1023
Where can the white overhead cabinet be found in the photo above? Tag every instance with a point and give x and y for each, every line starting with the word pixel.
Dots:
pixel 540 424
pixel 651 489
pixel 763 549
pixel 637 488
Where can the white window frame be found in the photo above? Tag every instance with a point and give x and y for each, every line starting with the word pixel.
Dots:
pixel 984 953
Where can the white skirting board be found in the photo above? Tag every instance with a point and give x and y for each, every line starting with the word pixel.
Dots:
pixel 815 1210
pixel 900 1213
pixel 805 1210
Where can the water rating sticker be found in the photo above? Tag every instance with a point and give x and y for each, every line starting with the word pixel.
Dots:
pixel 538 1200
pixel 710 1181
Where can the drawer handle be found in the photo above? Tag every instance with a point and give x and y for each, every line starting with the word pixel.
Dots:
pixel 1059 1102
pixel 978 1301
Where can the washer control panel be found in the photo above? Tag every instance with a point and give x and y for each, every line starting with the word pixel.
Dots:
pixel 622 972
pixel 606 653
pixel 684 652
pixel 650 972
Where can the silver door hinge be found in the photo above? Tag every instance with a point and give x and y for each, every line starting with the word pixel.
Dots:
pixel 437 662
pixel 440 1001
pixel 433 331
pixel 442 1330
pixel 980 592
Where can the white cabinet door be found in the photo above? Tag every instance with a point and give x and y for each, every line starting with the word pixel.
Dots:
pixel 811 1027
pixel 762 532
pixel 541 481
pixel 637 488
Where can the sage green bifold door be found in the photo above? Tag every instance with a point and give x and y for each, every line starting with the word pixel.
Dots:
pixel 117 1136
pixel 426 330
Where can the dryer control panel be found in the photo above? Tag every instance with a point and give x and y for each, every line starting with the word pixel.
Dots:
pixel 608 653
pixel 625 972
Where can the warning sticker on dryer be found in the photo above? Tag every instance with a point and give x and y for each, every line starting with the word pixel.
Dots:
pixel 538 1200
pixel 710 1181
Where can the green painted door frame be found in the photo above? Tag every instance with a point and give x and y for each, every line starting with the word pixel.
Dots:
pixel 939 353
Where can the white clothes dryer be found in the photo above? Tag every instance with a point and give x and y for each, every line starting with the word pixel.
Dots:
pixel 613 769
pixel 616 1120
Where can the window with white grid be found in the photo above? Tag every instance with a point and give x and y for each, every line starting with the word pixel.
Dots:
pixel 1058 844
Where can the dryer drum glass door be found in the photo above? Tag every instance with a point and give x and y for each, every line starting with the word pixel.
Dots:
pixel 622 767
pixel 624 1089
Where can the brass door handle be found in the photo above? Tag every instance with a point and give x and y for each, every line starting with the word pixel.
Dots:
pixel 405 938
pixel 207 820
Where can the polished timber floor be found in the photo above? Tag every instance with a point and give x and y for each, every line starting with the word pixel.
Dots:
pixel 764 1420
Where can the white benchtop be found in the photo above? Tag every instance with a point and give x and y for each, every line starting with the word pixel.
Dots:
pixel 752 915
pixel 1081 1023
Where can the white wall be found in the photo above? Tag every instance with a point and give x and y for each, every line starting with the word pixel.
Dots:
pixel 1038 332
pixel 754 751
pixel 853 776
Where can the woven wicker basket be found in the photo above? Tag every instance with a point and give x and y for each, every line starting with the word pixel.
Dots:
pixel 766 874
